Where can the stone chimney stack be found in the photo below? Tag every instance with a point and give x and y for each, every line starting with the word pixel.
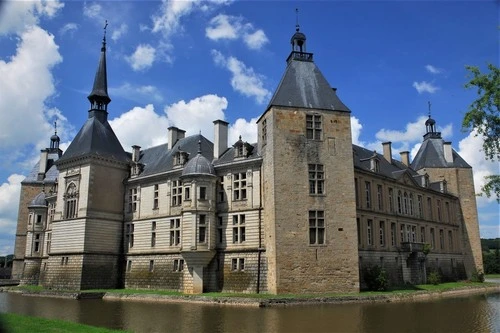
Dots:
pixel 136 153
pixel 44 155
pixel 174 135
pixel 387 151
pixel 448 153
pixel 405 157
pixel 220 137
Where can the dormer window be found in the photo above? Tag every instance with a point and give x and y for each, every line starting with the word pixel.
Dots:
pixel 180 158
pixel 375 164
pixel 242 149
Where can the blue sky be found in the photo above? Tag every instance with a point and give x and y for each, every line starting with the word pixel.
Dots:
pixel 188 63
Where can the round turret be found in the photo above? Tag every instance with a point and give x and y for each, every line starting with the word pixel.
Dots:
pixel 38 201
pixel 298 41
pixel 199 165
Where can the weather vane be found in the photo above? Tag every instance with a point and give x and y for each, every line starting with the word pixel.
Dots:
pixel 105 26
pixel 55 127
pixel 429 103
pixel 297 26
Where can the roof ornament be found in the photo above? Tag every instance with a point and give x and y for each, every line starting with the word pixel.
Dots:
pixel 104 37
pixel 297 26
pixel 55 127
pixel 199 143
pixel 429 103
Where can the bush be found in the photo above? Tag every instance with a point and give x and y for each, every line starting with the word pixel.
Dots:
pixel 434 278
pixel 477 276
pixel 376 278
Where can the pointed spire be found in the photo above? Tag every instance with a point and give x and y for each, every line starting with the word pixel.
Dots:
pixel 298 40
pixel 99 98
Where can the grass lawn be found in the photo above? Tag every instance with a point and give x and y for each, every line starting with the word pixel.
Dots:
pixel 492 276
pixel 14 323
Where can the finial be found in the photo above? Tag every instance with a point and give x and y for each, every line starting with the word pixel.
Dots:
pixel 105 26
pixel 55 127
pixel 297 26
pixel 199 143
pixel 429 103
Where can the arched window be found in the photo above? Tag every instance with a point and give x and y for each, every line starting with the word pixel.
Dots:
pixel 71 198
pixel 400 210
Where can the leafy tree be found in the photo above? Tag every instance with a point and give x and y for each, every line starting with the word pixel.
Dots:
pixel 484 117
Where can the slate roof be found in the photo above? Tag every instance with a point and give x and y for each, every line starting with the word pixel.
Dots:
pixel 159 159
pixel 50 176
pixel 431 155
pixel 303 85
pixel 229 156
pixel 199 165
pixel 100 88
pixel 38 200
pixel 95 137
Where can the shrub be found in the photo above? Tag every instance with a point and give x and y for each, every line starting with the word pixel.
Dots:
pixel 434 278
pixel 477 276
pixel 376 278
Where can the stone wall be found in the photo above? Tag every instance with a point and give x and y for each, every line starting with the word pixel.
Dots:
pixel 63 272
pixel 162 275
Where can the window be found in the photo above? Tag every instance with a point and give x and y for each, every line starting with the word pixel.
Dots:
pixel 450 240
pixel 187 194
pixel 36 246
pixel 405 203
pixel 175 232
pixel 38 219
pixel 393 234
pixel 356 191
pixel 313 127
pixel 264 132
pixel 422 234
pixel 129 265
pixel 71 202
pixel 382 233
pixel 132 200
pixel 316 227
pixel 64 260
pixel 369 232
pixel 400 202
pixel 52 211
pixel 391 200
pixel 203 193
pixel 178 265
pixel 176 193
pixel 380 197
pixel 238 228
pixel 129 235
pixel 433 238
pixel 49 240
pixel 237 264
pixel 202 229
pixel 316 179
pixel 240 186
pixel 402 233
pixel 420 207
pixel 448 211
pixel 429 208
pixel 221 194
pixel 413 234
pixel 368 194
pixel 439 210
pixel 151 266
pixel 441 239
pixel 153 234
pixel 410 204
pixel 155 197
pixel 220 230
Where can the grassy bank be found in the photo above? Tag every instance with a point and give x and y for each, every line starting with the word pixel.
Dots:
pixel 14 323
pixel 492 276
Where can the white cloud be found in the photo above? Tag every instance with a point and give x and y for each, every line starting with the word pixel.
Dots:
pixel 17 16
pixel 92 10
pixel 9 204
pixel 168 20
pixel 136 93
pixel 356 128
pixel 68 28
pixel 233 27
pixel 118 33
pixel 425 86
pixel 432 69
pixel 244 79
pixel 247 130
pixel 142 58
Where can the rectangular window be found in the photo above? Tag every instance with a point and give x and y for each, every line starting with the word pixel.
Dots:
pixel 450 240
pixel 316 179
pixel 438 205
pixel 187 194
pixel 37 242
pixel 151 266
pixel 132 200
pixel 369 232
pixel 433 239
pixel 380 198
pixel 203 193
pixel 175 232
pixel 264 132
pixel 391 200
pixel 368 194
pixel 402 233
pixel 237 264
pixel 178 265
pixel 129 235
pixel 429 209
pixel 176 193
pixel 420 207
pixel 155 196
pixel 202 229
pixel 382 233
pixel 71 208
pixel 240 186
pixel 313 127
pixel 52 211
pixel 316 227
pixel 414 234
pixel 129 265
pixel 422 234
pixel 441 239
pixel 393 234
pixel 238 228
pixel 49 237
pixel 153 239
pixel 448 211
pixel 38 219
pixel 221 194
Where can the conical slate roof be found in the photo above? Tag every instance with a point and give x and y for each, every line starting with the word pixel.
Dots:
pixel 431 155
pixel 38 201
pixel 100 88
pixel 198 165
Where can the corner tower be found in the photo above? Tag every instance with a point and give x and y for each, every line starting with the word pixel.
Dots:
pixel 441 162
pixel 88 223
pixel 308 182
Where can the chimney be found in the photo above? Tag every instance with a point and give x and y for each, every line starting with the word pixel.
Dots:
pixel 136 153
pixel 220 137
pixel 448 153
pixel 387 151
pixel 44 154
pixel 174 135
pixel 405 157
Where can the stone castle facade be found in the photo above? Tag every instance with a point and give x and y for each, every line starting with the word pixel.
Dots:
pixel 302 210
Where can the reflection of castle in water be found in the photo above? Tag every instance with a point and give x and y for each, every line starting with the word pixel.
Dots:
pixel 300 211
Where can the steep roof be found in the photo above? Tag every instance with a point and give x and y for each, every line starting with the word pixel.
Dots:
pixel 38 200
pixel 431 155
pixel 51 174
pixel 303 85
pixel 199 165
pixel 95 137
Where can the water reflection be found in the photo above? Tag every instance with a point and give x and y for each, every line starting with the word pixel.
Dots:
pixel 467 314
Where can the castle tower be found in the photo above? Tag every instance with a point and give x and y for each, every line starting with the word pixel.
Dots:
pixel 308 182
pixel 88 222
pixel 441 163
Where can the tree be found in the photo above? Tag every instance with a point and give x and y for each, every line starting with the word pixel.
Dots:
pixel 484 117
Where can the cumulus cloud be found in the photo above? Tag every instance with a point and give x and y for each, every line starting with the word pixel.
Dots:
pixel 137 93
pixel 118 33
pixel 68 28
pixel 244 79
pixel 233 27
pixel 17 16
pixel 246 128
pixel 167 21
pixel 425 86
pixel 92 10
pixel 142 58
pixel 9 203
pixel 433 70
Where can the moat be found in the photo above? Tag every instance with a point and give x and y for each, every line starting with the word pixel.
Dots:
pixel 477 313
